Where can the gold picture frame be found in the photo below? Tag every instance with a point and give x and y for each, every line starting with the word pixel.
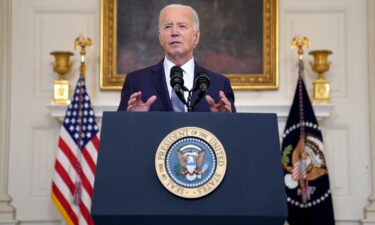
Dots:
pixel 266 79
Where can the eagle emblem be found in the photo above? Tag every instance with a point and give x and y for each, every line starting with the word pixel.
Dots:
pixel 191 158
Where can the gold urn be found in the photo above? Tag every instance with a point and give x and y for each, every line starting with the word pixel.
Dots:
pixel 320 66
pixel 61 66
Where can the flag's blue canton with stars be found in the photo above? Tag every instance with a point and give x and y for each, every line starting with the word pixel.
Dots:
pixel 74 120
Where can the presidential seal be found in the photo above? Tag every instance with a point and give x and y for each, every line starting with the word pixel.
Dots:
pixel 190 162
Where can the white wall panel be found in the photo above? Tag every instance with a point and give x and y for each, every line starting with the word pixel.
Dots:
pixel 39 27
pixel 57 31
pixel 326 30
pixel 337 158
pixel 44 141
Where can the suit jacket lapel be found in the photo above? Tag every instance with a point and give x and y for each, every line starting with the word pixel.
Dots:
pixel 160 85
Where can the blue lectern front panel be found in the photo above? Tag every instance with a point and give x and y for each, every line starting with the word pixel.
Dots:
pixel 128 191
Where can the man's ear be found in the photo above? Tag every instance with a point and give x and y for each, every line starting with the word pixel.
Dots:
pixel 197 36
pixel 159 38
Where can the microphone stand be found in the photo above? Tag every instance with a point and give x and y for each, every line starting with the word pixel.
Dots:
pixel 189 103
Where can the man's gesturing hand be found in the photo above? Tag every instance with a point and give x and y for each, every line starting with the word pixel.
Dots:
pixel 223 105
pixel 135 103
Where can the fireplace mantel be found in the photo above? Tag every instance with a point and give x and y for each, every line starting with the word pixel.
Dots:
pixel 282 110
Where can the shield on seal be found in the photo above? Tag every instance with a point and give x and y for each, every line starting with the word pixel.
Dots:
pixel 190 164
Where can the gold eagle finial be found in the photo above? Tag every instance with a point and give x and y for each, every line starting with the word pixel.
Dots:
pixel 300 42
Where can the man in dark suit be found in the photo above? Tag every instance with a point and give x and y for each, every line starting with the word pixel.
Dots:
pixel 149 90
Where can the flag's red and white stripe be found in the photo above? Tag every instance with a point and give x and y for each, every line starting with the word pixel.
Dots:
pixel 65 175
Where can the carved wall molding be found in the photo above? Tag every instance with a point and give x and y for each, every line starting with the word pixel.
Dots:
pixel 7 212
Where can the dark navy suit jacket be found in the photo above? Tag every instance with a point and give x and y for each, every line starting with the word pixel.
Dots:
pixel 151 81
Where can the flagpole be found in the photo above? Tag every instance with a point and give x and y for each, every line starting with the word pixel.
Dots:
pixel 301 42
pixel 81 42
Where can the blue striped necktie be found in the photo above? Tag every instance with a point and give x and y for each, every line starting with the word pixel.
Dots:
pixel 178 105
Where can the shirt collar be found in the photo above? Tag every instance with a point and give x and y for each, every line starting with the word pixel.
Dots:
pixel 188 69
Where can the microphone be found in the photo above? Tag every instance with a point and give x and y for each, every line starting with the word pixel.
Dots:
pixel 202 82
pixel 177 82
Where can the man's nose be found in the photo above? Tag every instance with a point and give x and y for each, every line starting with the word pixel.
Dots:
pixel 175 31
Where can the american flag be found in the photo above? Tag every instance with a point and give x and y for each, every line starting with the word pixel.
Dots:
pixel 75 165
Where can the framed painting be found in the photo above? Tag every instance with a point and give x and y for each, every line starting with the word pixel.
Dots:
pixel 238 39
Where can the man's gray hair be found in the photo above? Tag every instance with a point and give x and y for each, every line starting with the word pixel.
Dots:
pixel 195 14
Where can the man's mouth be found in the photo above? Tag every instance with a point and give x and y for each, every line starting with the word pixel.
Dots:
pixel 175 43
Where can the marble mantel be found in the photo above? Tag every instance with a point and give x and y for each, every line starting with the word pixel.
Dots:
pixel 282 110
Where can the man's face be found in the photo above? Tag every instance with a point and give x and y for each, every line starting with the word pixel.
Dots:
pixel 177 34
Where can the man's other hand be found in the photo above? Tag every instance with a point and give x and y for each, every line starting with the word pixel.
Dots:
pixel 223 105
pixel 135 103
